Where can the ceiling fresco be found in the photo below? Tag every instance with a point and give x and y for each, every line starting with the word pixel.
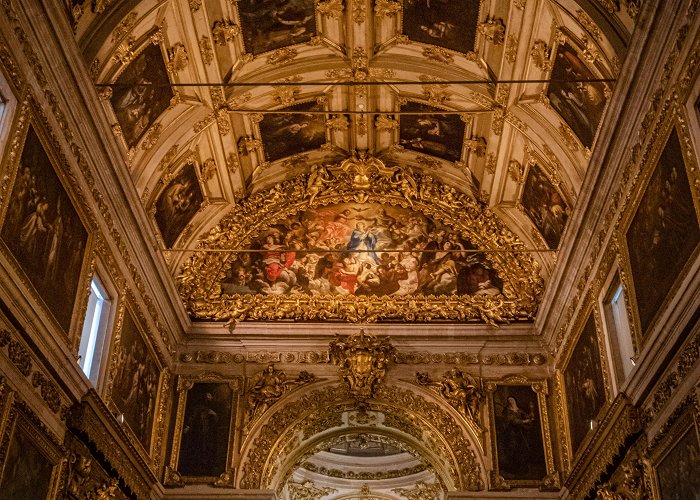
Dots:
pixel 269 96
pixel 445 23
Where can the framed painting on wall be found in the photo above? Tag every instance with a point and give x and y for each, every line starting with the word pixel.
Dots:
pixel 521 443
pixel 31 461
pixel 203 436
pixel 134 378
pixel 663 233
pixel 431 132
pixel 42 229
pixel 675 455
pixel 584 383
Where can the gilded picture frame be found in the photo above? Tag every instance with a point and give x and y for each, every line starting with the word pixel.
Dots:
pixel 274 130
pixel 674 126
pixel 600 90
pixel 178 203
pixel 507 398
pixel 58 196
pixel 145 436
pixel 572 451
pixel 150 133
pixel 672 454
pixel 431 34
pixel 430 133
pixel 221 389
pixel 31 462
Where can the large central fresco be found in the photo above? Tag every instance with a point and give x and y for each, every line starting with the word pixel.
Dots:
pixel 361 249
pixel 361 241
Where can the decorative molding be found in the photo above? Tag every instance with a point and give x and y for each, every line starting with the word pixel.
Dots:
pixel 385 8
pixel 93 419
pixel 332 9
pixel 22 359
pixel 282 56
pixel 224 32
pixel 279 433
pixel 619 423
pixel 493 30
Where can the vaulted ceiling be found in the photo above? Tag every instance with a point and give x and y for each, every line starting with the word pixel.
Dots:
pixel 473 121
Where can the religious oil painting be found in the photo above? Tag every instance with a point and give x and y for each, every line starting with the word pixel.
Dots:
pixel 545 206
pixel 273 24
pixel 431 132
pixel 519 442
pixel 677 473
pixel 580 103
pixel 135 380
pixel 447 23
pixel 43 231
pixel 142 93
pixel 204 442
pixel 287 134
pixel 663 233
pixel 361 249
pixel 178 203
pixel 29 470
pixel 584 383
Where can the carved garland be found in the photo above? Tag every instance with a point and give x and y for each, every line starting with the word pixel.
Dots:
pixel 199 281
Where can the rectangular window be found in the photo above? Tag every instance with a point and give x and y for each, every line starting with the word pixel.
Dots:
pixel 94 331
pixel 618 328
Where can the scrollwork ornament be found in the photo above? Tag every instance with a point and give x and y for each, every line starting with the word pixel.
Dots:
pixel 493 30
pixel 332 9
pixel 383 8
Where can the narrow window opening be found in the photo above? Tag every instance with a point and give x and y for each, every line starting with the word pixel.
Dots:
pixel 618 326
pixel 94 331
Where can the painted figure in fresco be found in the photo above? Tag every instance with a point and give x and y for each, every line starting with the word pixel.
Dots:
pixel 34 230
pixel 580 103
pixel 339 250
pixel 199 435
pixel 363 238
pixel 517 429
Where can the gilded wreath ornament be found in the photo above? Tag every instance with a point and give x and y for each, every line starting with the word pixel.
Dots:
pixel 361 179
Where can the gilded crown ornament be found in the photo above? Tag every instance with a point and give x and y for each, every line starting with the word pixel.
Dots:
pixel 362 360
